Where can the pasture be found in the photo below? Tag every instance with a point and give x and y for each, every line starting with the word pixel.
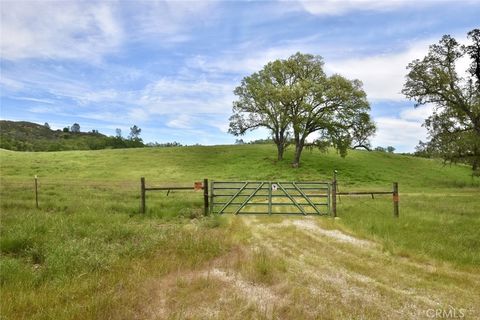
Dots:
pixel 87 253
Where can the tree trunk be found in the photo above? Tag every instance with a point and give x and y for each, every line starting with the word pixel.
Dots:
pixel 280 150
pixel 279 140
pixel 298 152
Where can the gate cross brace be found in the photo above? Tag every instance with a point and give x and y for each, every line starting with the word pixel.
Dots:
pixel 292 199
pixel 233 198
pixel 306 198
pixel 249 197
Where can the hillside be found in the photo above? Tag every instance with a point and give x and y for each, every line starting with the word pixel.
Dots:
pixel 244 162
pixel 87 253
pixel 29 136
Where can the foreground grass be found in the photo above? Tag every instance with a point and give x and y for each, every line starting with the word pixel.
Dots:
pixel 88 254
pixel 89 265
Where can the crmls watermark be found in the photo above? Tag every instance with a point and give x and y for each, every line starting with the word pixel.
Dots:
pixel 446 313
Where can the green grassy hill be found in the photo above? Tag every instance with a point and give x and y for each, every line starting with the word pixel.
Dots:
pixel 244 162
pixel 28 136
pixel 87 253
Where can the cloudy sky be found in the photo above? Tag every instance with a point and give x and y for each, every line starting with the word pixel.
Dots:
pixel 170 67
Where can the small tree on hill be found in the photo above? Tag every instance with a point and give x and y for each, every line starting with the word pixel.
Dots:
pixel 135 133
pixel 75 128
pixel 390 149
pixel 239 141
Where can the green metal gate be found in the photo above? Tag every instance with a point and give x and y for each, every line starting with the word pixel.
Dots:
pixel 269 197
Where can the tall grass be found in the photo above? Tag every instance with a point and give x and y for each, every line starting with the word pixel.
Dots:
pixel 85 253
pixel 442 226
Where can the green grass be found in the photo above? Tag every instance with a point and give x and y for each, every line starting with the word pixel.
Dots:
pixel 83 258
pixel 86 251
pixel 252 162
pixel 442 226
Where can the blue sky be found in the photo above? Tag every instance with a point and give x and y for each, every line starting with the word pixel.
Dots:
pixel 171 67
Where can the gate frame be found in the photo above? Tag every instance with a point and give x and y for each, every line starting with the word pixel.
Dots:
pixel 295 185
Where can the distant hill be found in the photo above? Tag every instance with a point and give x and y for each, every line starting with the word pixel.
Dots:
pixel 29 136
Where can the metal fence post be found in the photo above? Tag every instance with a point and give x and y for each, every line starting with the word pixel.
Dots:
pixel 142 193
pixel 205 196
pixel 270 197
pixel 334 198
pixel 36 191
pixel 395 200
pixel 212 201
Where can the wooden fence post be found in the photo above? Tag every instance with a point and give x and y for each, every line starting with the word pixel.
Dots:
pixel 36 191
pixel 205 196
pixel 142 193
pixel 334 197
pixel 395 200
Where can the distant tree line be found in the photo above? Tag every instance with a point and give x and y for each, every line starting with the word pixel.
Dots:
pixel 26 136
pixel 388 149
pixel 164 144
pixel 257 141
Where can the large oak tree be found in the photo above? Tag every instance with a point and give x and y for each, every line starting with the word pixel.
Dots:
pixel 294 97
pixel 454 126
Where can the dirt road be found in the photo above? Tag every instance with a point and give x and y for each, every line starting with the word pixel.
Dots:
pixel 295 268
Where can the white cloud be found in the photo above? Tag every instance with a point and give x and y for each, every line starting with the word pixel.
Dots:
pixel 168 19
pixel 337 7
pixel 10 84
pixel 42 101
pixel 398 132
pixel 87 31
pixel 404 131
pixel 72 30
pixel 383 76
pixel 239 62
pixel 182 121
pixel 418 114
pixel 187 96
pixel 137 114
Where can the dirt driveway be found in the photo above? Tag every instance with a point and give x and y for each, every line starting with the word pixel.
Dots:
pixel 295 268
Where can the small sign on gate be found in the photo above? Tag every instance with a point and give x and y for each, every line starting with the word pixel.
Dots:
pixel 198 185
pixel 274 187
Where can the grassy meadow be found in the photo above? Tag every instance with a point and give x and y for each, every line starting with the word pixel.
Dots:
pixel 88 254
